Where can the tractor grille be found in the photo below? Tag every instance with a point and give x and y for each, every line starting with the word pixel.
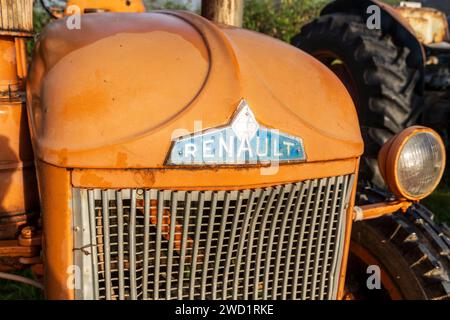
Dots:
pixel 280 242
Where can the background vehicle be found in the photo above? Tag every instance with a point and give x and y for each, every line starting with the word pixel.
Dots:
pixel 398 75
pixel 124 220
pixel 443 6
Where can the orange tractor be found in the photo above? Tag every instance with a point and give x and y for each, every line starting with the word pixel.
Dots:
pixel 395 62
pixel 176 158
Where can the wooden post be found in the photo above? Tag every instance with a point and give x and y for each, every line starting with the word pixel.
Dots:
pixel 229 12
pixel 16 17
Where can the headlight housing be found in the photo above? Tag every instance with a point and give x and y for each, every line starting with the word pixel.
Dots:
pixel 412 162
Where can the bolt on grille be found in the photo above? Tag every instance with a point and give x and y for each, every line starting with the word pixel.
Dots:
pixel 281 242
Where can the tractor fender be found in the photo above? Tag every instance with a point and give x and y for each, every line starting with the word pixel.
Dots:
pixel 391 22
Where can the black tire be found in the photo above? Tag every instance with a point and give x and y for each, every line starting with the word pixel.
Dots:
pixel 382 82
pixel 438 118
pixel 412 250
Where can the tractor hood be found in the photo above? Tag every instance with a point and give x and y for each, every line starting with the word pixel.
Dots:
pixel 117 92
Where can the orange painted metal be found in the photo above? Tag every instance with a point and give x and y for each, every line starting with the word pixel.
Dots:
pixel 105 103
pixel 55 190
pixel 18 189
pixel 38 270
pixel 348 233
pixel 376 210
pixel 8 65
pixel 389 155
pixel 106 5
pixel 21 58
pixel 30 237
pixel 10 224
pixel 14 254
pixel 20 34
pixel 10 264
pixel 103 72
pixel 208 179
pixel 31 261
pixel 12 248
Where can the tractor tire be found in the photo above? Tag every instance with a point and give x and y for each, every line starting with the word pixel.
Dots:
pixel 412 252
pixel 376 72
pixel 438 118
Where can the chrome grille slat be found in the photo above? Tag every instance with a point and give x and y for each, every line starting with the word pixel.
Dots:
pixel 173 212
pixel 300 242
pixel 263 195
pixel 220 242
pixel 311 238
pixel 93 236
pixel 120 227
pixel 261 242
pixel 209 238
pixel 280 242
pixel 146 243
pixel 198 225
pixel 106 244
pixel 294 189
pixel 271 240
pixel 232 239
pixel 187 211
pixel 296 213
pixel 341 219
pixel 241 242
pixel 329 184
pixel 132 245
pixel 159 219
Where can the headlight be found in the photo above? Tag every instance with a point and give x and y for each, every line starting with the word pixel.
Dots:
pixel 412 162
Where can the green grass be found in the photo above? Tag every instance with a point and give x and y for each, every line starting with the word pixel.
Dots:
pixel 439 203
pixel 11 290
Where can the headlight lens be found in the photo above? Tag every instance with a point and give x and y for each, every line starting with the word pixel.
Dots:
pixel 419 164
pixel 412 162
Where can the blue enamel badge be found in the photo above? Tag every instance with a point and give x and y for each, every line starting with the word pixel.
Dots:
pixel 243 141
